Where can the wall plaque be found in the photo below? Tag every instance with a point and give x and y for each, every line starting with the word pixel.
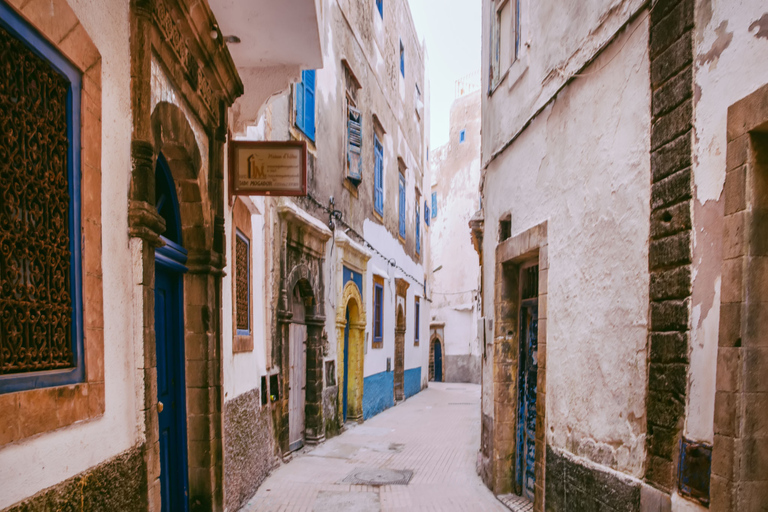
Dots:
pixel 268 168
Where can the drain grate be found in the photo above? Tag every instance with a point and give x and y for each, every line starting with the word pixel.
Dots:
pixel 378 476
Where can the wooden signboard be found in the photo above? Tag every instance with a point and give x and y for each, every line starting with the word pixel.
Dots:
pixel 268 168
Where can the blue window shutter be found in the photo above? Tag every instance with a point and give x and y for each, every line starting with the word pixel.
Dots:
pixel 402 206
pixel 426 213
pixel 418 229
pixel 462 136
pixel 354 144
pixel 380 6
pixel 378 178
pixel 434 204
pixel 309 103
pixel 300 106
pixel 402 58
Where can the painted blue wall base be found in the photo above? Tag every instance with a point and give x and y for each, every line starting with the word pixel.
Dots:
pixel 412 381
pixel 378 393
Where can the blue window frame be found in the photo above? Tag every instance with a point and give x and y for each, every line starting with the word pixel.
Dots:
pixel 426 213
pixel 434 204
pixel 20 30
pixel 416 320
pixel 462 136
pixel 418 228
pixel 402 205
pixel 242 283
pixel 305 104
pixel 380 7
pixel 378 313
pixel 378 175
pixel 402 58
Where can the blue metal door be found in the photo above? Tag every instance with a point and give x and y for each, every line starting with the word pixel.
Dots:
pixel 526 418
pixel 438 361
pixel 345 383
pixel 171 403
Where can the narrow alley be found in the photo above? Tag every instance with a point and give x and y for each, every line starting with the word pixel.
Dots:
pixel 424 435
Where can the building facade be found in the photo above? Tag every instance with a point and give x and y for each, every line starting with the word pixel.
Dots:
pixel 619 240
pixel 118 387
pixel 454 343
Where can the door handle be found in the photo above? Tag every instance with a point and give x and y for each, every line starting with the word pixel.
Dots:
pixel 159 407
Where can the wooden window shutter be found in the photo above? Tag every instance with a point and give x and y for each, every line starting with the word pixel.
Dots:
pixel 300 106
pixel 418 228
pixel 378 179
pixel 308 105
pixel 402 206
pixel 354 144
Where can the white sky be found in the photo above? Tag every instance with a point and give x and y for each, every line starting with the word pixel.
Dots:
pixel 452 29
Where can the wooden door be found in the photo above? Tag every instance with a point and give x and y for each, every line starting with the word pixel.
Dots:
pixel 526 419
pixel 345 381
pixel 171 403
pixel 400 356
pixel 438 360
pixel 297 385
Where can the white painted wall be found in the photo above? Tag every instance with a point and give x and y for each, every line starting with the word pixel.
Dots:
pixel 584 170
pixel 50 458
pixel 730 63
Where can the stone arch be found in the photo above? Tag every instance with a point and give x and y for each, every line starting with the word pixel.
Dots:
pixel 300 278
pixel 351 299
pixel 436 338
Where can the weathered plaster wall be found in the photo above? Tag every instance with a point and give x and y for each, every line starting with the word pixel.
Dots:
pixel 54 457
pixel 729 54
pixel 584 170
pixel 456 179
pixel 557 39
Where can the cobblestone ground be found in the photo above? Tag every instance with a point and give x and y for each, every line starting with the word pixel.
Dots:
pixel 435 434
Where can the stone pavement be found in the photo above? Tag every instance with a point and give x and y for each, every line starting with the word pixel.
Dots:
pixel 435 434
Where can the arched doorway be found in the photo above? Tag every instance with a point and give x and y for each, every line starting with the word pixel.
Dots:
pixel 437 360
pixel 400 354
pixel 170 267
pixel 350 330
pixel 297 380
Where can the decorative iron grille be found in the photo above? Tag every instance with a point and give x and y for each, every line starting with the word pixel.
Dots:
pixel 241 286
pixel 35 258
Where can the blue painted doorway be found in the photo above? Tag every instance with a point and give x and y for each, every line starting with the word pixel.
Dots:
pixel 526 414
pixel 437 351
pixel 169 344
pixel 345 392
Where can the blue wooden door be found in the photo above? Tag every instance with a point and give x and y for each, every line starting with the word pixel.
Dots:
pixel 438 359
pixel 171 403
pixel 526 418
pixel 345 382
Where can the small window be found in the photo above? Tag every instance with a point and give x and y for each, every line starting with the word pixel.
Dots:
pixel 305 104
pixel 378 175
pixel 426 213
pixel 416 320
pixel 462 136
pixel 505 45
pixel 505 229
pixel 402 58
pixel 417 103
pixel 380 7
pixel 434 204
pixel 354 145
pixel 378 310
pixel 418 224
pixel 401 194
pixel 242 283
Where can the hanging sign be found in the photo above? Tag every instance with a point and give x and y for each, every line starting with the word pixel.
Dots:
pixel 268 168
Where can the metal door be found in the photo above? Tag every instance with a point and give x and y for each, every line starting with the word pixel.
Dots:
pixel 345 382
pixel 171 403
pixel 297 385
pixel 526 422
pixel 438 361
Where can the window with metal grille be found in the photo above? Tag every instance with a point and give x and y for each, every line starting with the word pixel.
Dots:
pixel 378 310
pixel 354 145
pixel 530 282
pixel 41 338
pixel 242 283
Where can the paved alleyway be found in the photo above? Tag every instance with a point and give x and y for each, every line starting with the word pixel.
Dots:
pixel 436 434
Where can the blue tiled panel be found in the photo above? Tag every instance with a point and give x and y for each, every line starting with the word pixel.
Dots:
pixel 412 381
pixel 378 393
pixel 356 277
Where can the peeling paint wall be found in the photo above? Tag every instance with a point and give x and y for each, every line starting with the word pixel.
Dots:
pixel 455 181
pixel 731 42
pixel 583 167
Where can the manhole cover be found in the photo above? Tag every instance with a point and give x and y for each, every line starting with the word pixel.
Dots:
pixel 378 476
